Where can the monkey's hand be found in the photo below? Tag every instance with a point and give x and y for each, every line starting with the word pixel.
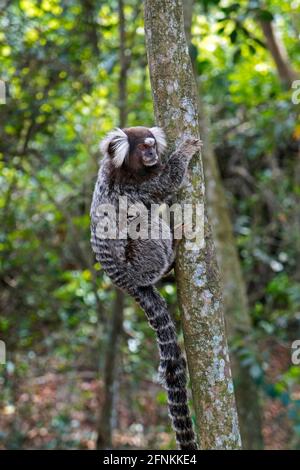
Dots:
pixel 190 146
pixel 170 180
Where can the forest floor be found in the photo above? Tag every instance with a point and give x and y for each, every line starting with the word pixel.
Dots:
pixel 59 410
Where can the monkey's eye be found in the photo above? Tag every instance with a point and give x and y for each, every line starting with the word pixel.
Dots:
pixel 143 146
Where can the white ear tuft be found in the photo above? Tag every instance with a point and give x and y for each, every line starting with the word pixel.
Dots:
pixel 160 138
pixel 120 146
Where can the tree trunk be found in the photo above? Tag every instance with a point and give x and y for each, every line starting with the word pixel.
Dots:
pixel 104 439
pixel 188 6
pixel 286 74
pixel 176 110
pixel 235 298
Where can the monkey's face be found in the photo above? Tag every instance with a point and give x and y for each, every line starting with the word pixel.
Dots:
pixel 134 148
pixel 147 152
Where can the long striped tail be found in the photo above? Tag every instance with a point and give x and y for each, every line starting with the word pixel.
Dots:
pixel 172 366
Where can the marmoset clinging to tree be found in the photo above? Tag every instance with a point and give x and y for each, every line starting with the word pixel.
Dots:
pixel 132 167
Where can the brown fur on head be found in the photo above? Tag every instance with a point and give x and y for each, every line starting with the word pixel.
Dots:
pixel 134 149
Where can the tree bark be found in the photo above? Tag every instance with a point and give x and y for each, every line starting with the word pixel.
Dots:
pixel 104 439
pixel 188 6
pixel 176 110
pixel 124 65
pixel 285 71
pixel 234 290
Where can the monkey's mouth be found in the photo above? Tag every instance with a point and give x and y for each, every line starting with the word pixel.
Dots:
pixel 150 162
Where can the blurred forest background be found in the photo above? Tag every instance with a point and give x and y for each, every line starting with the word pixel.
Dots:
pixel 81 359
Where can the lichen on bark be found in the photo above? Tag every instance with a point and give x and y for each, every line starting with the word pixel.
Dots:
pixel 176 110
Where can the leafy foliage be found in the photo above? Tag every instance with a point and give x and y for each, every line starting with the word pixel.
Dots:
pixel 60 62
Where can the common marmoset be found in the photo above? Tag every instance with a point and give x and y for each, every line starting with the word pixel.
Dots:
pixel 132 167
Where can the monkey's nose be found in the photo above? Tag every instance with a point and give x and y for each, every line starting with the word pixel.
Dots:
pixel 150 159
